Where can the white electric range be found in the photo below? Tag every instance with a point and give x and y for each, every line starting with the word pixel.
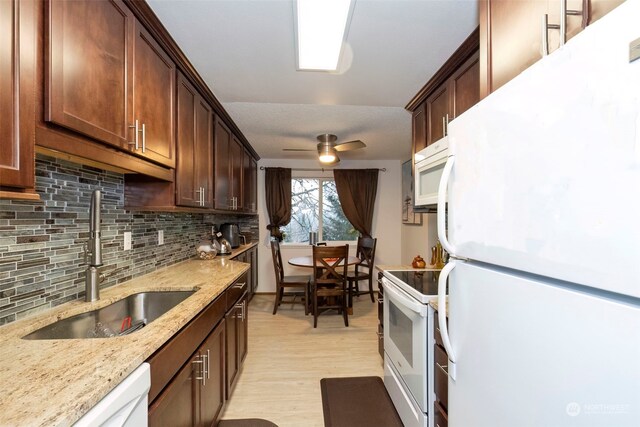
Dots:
pixel 408 343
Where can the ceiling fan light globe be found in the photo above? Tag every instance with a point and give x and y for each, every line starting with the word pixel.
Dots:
pixel 327 158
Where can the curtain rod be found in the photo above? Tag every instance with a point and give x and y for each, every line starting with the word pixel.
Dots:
pixel 320 169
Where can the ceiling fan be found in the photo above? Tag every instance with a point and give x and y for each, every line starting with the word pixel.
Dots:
pixel 327 148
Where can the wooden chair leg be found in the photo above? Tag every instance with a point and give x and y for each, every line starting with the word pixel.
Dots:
pixel 315 310
pixel 344 310
pixel 371 288
pixel 278 299
pixel 306 300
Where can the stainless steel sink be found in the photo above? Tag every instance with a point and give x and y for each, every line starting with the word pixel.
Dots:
pixel 120 318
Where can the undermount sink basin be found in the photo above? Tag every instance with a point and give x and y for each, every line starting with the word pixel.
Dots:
pixel 120 318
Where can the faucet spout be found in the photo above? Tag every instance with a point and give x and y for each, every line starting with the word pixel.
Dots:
pixel 92 275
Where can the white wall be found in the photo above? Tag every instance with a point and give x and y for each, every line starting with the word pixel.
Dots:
pixel 418 239
pixel 387 216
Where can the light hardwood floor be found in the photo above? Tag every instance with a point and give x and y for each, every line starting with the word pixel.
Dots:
pixel 287 357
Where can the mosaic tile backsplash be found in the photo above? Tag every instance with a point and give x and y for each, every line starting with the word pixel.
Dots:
pixel 41 243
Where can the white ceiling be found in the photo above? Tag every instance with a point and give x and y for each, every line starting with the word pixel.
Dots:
pixel 245 51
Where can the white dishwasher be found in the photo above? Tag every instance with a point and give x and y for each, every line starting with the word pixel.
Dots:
pixel 125 405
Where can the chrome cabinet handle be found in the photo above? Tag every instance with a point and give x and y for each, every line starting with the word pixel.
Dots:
pixel 446 127
pixel 205 368
pixel 443 368
pixel 203 200
pixel 135 141
pixel 444 132
pixel 199 192
pixel 144 137
pixel 239 285
pixel 208 363
pixel 242 311
pixel 200 362
pixel 545 33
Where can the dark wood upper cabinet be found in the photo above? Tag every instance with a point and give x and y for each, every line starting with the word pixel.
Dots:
pixel 89 77
pixel 222 165
pixel 464 86
pixel 511 34
pixel 419 128
pixel 437 109
pixel 17 83
pixel 194 172
pixel 237 153
pixel 154 76
pixel 249 183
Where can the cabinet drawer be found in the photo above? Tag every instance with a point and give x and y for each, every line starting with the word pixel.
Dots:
pixel 441 378
pixel 166 362
pixel 235 291
pixel 436 330
pixel 440 419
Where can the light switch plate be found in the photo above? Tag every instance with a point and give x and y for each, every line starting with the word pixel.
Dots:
pixel 160 237
pixel 634 50
pixel 127 240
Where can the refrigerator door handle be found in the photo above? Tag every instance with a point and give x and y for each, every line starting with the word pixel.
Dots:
pixel 442 200
pixel 442 320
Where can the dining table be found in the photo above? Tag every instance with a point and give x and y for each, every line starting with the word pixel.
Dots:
pixel 307 262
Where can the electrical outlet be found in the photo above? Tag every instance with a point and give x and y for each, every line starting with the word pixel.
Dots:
pixel 127 240
pixel 160 237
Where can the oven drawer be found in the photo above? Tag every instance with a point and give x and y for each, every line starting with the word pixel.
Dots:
pixel 441 378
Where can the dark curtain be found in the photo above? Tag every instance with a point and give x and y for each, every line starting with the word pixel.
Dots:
pixel 277 183
pixel 357 193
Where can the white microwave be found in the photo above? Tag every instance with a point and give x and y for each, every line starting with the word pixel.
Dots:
pixel 429 164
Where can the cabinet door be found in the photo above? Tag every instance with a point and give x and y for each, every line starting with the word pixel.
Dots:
pixel 194 171
pixel 89 79
pixel 243 329
pixel 17 85
pixel 464 86
pixel 178 404
pixel 419 128
pixel 186 188
pixel 222 168
pixel 231 359
pixel 212 397
pixel 204 150
pixel 254 269
pixel 437 109
pixel 249 184
pixel 510 38
pixel 237 160
pixel 154 76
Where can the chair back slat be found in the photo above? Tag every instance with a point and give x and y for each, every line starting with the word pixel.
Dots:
pixel 277 261
pixel 366 252
pixel 330 264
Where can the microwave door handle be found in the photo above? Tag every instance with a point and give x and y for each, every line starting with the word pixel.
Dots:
pixel 442 320
pixel 442 202
pixel 406 301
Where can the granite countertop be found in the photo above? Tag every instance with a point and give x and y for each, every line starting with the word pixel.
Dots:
pixel 55 382
pixel 405 267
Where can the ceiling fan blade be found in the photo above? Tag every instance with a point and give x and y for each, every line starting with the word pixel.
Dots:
pixel 297 149
pixel 350 145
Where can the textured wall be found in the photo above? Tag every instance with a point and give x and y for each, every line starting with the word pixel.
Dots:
pixel 41 242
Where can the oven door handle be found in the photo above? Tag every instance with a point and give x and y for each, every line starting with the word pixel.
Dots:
pixel 442 320
pixel 391 291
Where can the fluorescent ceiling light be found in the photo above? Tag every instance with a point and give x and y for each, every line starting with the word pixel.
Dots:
pixel 321 28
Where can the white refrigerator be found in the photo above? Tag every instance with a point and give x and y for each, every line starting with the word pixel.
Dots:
pixel 543 225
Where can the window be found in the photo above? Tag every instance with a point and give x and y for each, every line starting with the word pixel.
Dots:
pixel 308 214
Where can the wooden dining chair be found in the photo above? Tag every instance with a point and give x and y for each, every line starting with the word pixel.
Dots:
pixel 330 279
pixel 366 253
pixel 298 286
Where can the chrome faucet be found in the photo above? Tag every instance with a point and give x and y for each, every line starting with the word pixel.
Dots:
pixel 93 251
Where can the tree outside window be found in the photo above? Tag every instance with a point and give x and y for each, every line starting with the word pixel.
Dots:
pixel 315 207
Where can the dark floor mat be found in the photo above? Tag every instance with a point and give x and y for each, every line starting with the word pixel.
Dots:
pixel 357 402
pixel 249 422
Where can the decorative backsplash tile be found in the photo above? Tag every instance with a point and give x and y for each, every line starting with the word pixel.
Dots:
pixel 41 243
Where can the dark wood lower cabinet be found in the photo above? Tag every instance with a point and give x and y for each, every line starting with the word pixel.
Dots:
pixel 380 317
pixel 212 386
pixel 189 385
pixel 237 345
pixel 440 378
pixel 178 403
